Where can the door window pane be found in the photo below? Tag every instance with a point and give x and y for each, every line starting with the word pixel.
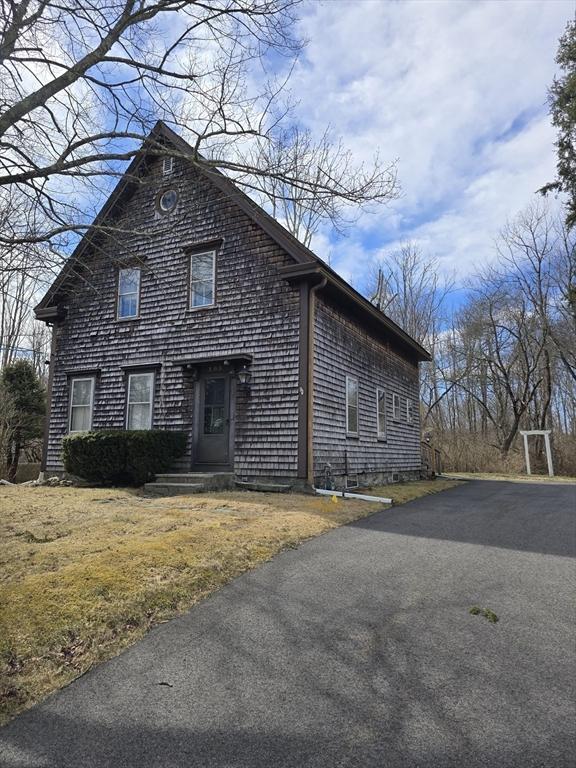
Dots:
pixel 139 411
pixel 214 401
pixel 202 267
pixel 81 405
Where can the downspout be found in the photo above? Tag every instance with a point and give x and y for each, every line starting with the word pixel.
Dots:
pixel 48 404
pixel 310 380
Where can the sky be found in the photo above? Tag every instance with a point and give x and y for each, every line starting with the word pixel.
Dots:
pixel 457 92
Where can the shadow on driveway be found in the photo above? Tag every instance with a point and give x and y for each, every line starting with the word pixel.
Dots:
pixel 528 517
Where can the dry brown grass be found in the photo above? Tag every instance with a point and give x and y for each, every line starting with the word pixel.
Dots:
pixel 85 572
pixel 512 477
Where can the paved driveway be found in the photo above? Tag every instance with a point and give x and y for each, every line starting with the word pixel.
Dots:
pixel 357 649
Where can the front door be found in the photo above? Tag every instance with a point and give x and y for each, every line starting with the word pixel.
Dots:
pixel 212 430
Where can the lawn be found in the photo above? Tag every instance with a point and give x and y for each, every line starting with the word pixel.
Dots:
pixel 85 572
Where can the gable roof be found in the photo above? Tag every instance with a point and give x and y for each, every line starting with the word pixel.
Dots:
pixel 307 264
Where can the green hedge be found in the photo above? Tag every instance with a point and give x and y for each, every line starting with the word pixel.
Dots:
pixel 121 456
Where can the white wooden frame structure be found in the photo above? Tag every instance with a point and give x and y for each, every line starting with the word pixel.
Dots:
pixel 546 433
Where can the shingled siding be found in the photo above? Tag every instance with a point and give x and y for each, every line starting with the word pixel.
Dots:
pixel 344 348
pixel 256 312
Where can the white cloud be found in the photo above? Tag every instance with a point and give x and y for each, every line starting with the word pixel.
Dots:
pixel 456 91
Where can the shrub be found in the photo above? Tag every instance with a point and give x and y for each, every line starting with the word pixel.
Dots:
pixel 120 456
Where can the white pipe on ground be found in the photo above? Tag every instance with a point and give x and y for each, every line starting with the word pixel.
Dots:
pixel 347 495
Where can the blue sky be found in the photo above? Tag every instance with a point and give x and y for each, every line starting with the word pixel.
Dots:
pixel 457 92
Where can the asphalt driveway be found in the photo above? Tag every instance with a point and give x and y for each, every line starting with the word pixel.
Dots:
pixel 357 649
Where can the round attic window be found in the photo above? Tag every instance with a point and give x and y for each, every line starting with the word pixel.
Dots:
pixel 167 200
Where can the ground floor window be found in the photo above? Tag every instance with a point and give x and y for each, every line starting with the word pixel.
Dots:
pixel 140 401
pixel 381 413
pixel 409 411
pixel 351 405
pixel 396 407
pixel 81 404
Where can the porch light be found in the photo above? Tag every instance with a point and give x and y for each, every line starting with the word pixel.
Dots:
pixel 244 376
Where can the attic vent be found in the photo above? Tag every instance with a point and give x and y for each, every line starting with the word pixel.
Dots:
pixel 167 165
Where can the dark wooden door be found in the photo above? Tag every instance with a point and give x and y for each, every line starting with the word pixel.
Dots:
pixel 212 432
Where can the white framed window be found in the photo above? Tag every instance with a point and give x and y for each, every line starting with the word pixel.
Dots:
pixel 167 166
pixel 81 404
pixel 409 411
pixel 140 401
pixel 351 405
pixel 128 293
pixel 381 413
pixel 396 407
pixel 202 279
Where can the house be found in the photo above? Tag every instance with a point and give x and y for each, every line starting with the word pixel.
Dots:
pixel 187 307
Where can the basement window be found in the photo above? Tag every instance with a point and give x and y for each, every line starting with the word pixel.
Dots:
pixel 351 405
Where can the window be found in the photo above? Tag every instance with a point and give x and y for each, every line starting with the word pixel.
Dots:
pixel 351 405
pixel 202 279
pixel 396 407
pixel 409 411
pixel 128 293
pixel 140 392
pixel 167 200
pixel 168 166
pixel 381 413
pixel 81 404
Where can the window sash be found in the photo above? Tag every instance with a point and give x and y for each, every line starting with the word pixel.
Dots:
pixel 396 406
pixel 202 280
pixel 381 413
pixel 80 416
pixel 128 299
pixel 351 405
pixel 140 405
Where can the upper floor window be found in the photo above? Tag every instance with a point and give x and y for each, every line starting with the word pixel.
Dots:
pixel 409 411
pixel 351 405
pixel 81 404
pixel 396 407
pixel 140 401
pixel 167 166
pixel 202 279
pixel 128 293
pixel 167 200
pixel 381 413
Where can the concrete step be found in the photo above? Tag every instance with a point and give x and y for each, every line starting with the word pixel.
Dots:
pixel 263 487
pixel 173 489
pixel 211 481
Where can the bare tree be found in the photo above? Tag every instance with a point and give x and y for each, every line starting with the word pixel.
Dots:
pixel 82 84
pixel 323 164
pixel 408 287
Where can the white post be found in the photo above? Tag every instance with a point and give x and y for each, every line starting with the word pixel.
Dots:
pixel 525 436
pixel 548 454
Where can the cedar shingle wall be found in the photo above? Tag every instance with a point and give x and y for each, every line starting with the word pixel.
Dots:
pixel 342 347
pixel 256 313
